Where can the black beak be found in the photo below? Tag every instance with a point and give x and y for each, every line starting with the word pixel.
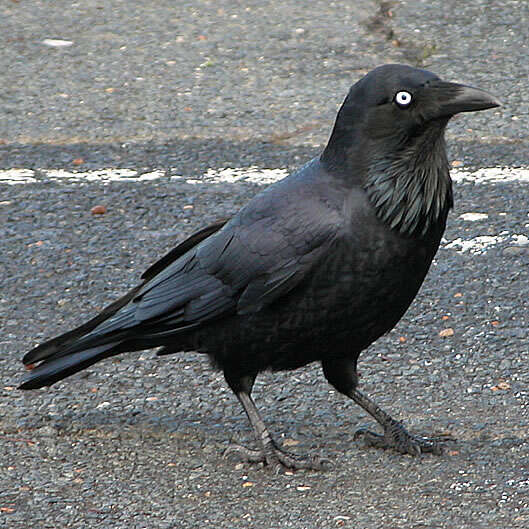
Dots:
pixel 453 98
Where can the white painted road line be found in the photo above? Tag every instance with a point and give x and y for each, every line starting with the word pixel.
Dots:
pixel 481 243
pixel 253 174
pixel 491 175
pixel 17 176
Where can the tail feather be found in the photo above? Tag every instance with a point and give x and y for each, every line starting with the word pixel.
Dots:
pixel 111 331
pixel 51 347
pixel 54 369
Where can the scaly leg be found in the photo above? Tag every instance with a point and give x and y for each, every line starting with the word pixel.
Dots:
pixel 269 453
pixel 341 373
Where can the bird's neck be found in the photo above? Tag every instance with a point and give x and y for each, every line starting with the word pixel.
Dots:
pixel 411 190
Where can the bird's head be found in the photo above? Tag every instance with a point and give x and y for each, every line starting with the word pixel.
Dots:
pixel 389 137
pixel 394 105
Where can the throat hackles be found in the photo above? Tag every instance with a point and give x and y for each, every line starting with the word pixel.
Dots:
pixel 411 189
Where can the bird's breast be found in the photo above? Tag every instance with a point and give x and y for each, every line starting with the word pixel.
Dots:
pixel 369 280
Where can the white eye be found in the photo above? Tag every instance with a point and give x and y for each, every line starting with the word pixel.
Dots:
pixel 403 98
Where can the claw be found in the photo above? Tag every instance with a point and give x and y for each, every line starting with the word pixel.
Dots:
pixel 246 454
pixel 395 436
pixel 277 459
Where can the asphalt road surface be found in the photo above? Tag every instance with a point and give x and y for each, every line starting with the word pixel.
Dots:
pixel 171 115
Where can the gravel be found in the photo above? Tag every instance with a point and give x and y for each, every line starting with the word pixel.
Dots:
pixel 137 441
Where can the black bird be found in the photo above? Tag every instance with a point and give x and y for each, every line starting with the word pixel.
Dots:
pixel 314 268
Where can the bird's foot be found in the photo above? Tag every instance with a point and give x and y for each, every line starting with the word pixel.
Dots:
pixel 395 436
pixel 277 459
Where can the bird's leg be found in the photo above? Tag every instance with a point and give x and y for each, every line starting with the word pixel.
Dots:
pixel 269 453
pixel 395 434
pixel 341 373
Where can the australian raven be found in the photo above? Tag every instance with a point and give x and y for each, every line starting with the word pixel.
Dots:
pixel 314 268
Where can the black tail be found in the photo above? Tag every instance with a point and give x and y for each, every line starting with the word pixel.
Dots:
pixel 54 369
pixel 98 338
pixel 64 355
